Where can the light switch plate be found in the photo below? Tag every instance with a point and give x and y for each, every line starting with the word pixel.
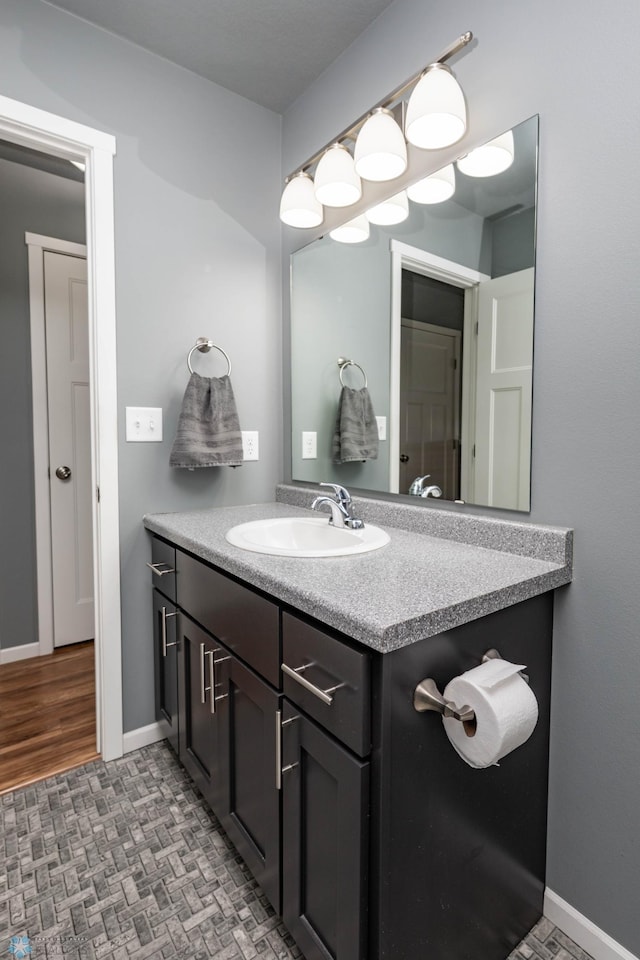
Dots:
pixel 382 428
pixel 143 424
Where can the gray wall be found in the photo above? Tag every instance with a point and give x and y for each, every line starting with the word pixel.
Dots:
pixel 577 66
pixel 197 253
pixel 38 202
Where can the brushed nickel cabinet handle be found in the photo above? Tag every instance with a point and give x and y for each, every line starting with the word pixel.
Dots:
pixel 203 689
pixel 160 573
pixel 296 674
pixel 164 617
pixel 212 681
pixel 278 749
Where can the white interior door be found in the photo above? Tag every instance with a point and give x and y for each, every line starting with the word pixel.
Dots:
pixel 67 340
pixel 503 391
pixel 429 406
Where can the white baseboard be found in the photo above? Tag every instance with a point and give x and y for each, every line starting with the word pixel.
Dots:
pixel 582 931
pixel 25 652
pixel 142 737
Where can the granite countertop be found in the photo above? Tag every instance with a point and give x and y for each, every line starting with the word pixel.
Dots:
pixel 415 587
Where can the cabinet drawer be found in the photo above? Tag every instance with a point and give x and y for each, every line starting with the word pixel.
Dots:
pixel 244 621
pixel 163 567
pixel 329 680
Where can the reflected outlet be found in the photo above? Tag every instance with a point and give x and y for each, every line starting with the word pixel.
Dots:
pixel 309 445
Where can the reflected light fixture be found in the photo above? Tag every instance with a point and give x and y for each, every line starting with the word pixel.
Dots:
pixel 436 188
pixel 381 150
pixel 354 231
pixel 491 158
pixel 336 182
pixel 392 210
pixel 436 112
pixel 298 206
pixel 436 117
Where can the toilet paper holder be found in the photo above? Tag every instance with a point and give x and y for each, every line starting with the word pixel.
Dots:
pixel 426 696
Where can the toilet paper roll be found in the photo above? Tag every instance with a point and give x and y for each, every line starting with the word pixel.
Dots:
pixel 506 712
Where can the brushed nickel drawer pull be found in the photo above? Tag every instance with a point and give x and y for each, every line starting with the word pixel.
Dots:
pixel 165 617
pixel 278 749
pixel 160 573
pixel 296 674
pixel 212 681
pixel 289 766
pixel 203 689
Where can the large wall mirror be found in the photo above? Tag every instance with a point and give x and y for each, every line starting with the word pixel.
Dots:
pixel 436 315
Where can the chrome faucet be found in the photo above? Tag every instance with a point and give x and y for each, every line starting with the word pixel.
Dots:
pixel 418 489
pixel 341 516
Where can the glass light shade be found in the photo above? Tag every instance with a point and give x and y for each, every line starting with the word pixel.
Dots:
pixel 436 112
pixel 491 158
pixel 436 188
pixel 381 150
pixel 354 231
pixel 298 206
pixel 336 182
pixel 393 210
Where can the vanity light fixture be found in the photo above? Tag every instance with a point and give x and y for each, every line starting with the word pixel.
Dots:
pixel 392 210
pixel 436 112
pixel 298 206
pixel 354 231
pixel 336 182
pixel 491 158
pixel 381 150
pixel 436 117
pixel 436 188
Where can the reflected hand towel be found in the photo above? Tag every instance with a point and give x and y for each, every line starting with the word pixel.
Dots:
pixel 356 432
pixel 208 432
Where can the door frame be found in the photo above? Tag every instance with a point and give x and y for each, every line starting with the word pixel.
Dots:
pixel 49 133
pixel 37 246
pixel 405 256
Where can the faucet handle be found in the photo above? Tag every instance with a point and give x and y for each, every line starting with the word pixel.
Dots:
pixel 342 494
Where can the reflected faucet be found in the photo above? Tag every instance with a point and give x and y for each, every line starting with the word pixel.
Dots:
pixel 341 516
pixel 418 489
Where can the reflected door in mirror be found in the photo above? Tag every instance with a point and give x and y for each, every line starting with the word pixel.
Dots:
pixel 429 406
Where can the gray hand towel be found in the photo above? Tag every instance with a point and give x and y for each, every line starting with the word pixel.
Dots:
pixel 208 432
pixel 356 433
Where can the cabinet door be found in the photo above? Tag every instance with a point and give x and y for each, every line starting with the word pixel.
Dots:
pixel 249 749
pixel 198 721
pixel 166 667
pixel 325 793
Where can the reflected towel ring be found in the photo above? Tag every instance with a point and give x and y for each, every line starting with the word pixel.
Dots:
pixel 204 345
pixel 343 362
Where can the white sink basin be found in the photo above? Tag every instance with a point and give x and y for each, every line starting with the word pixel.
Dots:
pixel 305 537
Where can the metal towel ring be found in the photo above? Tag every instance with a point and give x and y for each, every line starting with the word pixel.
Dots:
pixel 343 362
pixel 204 345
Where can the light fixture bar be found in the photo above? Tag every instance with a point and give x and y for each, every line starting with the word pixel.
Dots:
pixel 391 98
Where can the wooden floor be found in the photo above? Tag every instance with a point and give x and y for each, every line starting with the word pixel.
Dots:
pixel 47 715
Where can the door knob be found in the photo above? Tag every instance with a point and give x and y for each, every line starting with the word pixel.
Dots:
pixel 63 473
pixel 404 458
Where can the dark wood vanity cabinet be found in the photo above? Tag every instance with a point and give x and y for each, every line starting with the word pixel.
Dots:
pixel 198 720
pixel 325 849
pixel 166 666
pixel 366 831
pixel 250 771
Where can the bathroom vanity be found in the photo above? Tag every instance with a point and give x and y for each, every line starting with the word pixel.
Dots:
pixel 285 686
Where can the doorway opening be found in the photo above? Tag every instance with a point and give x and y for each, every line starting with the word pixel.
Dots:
pixel 431 351
pixel 38 130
